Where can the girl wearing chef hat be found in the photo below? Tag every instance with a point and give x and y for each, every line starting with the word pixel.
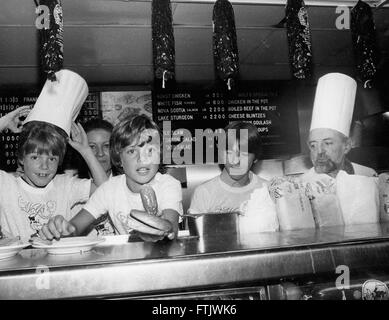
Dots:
pixel 40 193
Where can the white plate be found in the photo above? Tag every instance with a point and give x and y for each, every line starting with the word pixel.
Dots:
pixel 70 245
pixel 12 250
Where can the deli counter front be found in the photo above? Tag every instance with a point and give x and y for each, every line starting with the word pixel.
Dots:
pixel 344 262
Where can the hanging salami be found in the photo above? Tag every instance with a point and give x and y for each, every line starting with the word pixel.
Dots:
pixel 364 42
pixel 225 47
pixel 163 40
pixel 51 37
pixel 299 39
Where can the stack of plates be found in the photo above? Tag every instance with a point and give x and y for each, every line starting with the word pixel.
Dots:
pixel 11 247
pixel 69 245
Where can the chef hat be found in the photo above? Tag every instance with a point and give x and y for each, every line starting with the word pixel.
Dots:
pixel 334 103
pixel 60 101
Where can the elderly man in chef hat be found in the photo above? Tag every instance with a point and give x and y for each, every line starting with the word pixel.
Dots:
pixel 329 140
pixel 355 186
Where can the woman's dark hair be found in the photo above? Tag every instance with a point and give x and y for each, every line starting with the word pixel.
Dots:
pixel 73 160
pixel 126 132
pixel 254 138
pixel 42 137
pixel 96 124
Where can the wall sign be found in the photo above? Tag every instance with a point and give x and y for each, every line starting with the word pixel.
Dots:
pixel 271 106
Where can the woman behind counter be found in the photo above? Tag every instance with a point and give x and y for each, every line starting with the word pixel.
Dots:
pixel 98 132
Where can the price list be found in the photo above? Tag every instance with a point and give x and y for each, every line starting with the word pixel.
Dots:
pixel 177 107
pixel 271 106
pixel 190 109
pixel 9 140
pixel 91 108
pixel 174 112
pixel 257 108
pixel 215 107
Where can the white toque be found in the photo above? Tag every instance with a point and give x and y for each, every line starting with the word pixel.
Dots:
pixel 334 103
pixel 59 102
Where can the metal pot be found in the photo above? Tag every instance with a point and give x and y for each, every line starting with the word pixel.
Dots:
pixel 213 223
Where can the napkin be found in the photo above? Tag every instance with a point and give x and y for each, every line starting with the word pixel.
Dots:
pixel 358 197
pixel 383 187
pixel 292 204
pixel 258 213
pixel 325 205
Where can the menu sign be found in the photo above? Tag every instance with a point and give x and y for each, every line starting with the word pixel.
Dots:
pixel 8 139
pixel 90 109
pixel 10 101
pixel 271 106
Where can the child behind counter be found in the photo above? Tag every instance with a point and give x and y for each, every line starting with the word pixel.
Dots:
pixel 228 191
pixel 28 201
pixel 135 150
pixel 99 133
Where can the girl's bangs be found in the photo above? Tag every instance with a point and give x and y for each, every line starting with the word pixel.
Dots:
pixel 34 146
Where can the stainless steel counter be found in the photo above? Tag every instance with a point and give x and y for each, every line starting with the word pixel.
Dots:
pixel 138 268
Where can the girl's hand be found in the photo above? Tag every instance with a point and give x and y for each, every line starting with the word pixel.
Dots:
pixel 56 227
pixel 78 138
pixel 13 121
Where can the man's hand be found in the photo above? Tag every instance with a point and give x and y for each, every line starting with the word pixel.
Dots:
pixel 56 227
pixel 78 138
pixel 13 121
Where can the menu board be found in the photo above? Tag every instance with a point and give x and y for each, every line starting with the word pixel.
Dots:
pixel 271 106
pixel 9 140
pixel 90 109
pixel 12 100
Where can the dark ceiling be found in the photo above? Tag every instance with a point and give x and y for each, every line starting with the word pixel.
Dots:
pixel 109 41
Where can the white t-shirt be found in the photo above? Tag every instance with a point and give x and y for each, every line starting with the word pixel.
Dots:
pixel 102 227
pixel 217 196
pixel 114 197
pixel 25 209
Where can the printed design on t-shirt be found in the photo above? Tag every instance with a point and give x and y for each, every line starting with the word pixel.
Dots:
pixel 38 213
pixel 104 226
pixel 125 219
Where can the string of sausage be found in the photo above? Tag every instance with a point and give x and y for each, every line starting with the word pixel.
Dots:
pixel 225 47
pixel 299 39
pixel 364 42
pixel 163 40
pixel 51 39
